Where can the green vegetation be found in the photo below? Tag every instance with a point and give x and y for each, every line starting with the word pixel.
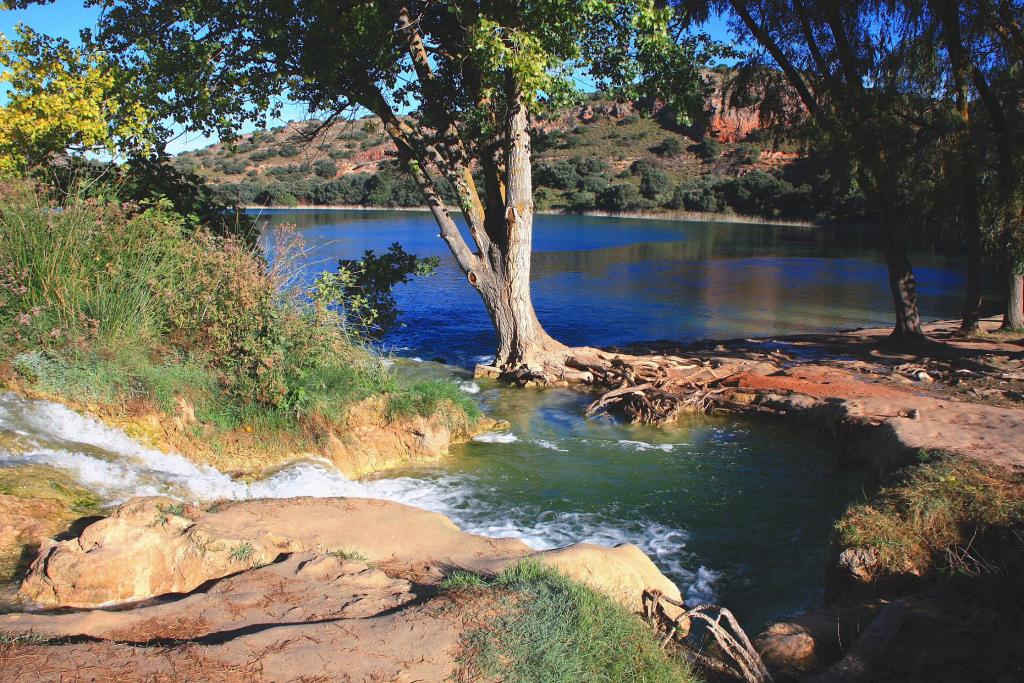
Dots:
pixel 428 397
pixel 242 552
pixel 39 482
pixel 134 305
pixel 344 554
pixel 633 163
pixel 537 625
pixel 361 290
pixel 942 515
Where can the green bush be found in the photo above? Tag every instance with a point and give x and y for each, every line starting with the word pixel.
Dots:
pixel 619 197
pixel 669 147
pixel 654 183
pixel 708 148
pixel 115 302
pixel 747 153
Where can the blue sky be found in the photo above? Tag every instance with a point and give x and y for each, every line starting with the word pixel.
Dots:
pixel 66 18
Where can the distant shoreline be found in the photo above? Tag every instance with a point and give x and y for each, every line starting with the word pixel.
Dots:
pixel 691 216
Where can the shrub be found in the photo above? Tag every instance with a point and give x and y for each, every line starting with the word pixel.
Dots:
pixel 582 200
pixel 288 151
pixel 560 175
pixel 325 168
pixel 708 148
pixel 619 197
pixel 654 183
pixel 121 301
pixel 747 153
pixel 755 193
pixel 697 196
pixel 669 147
pixel 361 289
pixel 232 166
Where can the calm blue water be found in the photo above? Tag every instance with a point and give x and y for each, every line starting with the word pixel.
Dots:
pixel 603 281
pixel 737 511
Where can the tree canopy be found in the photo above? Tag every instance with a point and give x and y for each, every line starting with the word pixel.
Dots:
pixel 62 98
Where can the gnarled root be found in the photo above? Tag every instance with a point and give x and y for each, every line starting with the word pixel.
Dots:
pixel 738 659
pixel 657 389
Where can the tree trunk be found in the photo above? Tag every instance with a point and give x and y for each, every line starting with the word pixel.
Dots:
pixel 904 290
pixel 902 284
pixel 522 341
pixel 1014 318
pixel 971 322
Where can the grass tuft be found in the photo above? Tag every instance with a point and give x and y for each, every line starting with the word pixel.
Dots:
pixel 935 516
pixel 242 552
pixel 349 555
pixel 461 580
pixel 430 397
pixel 546 627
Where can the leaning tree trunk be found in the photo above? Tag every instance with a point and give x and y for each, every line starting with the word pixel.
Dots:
pixel 1014 318
pixel 499 268
pixel 902 284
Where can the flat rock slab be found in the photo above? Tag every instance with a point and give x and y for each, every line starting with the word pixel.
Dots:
pixel 303 587
pixel 415 644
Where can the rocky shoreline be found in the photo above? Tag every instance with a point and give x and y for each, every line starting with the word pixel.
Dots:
pixel 316 586
pixel 270 589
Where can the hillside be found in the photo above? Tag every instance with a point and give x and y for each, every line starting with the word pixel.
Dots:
pixel 599 156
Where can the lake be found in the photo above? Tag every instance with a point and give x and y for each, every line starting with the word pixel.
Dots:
pixel 605 281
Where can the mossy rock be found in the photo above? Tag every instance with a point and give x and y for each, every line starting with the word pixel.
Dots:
pixel 43 482
pixel 36 502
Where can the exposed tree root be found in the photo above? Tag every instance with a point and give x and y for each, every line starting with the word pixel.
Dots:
pixel 734 657
pixel 650 389
pixel 658 389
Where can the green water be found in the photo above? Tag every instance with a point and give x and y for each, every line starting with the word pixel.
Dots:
pixel 738 511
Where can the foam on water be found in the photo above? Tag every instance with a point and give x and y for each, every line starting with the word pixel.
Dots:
pixel 644 446
pixel 470 387
pixel 111 463
pixel 550 445
pixel 496 437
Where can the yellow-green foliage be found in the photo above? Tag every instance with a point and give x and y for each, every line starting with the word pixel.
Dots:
pixel 62 98
pixel 930 518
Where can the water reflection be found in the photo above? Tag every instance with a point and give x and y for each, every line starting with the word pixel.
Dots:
pixel 606 281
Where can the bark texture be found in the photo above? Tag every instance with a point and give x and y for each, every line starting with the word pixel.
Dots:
pixel 500 221
pixel 1014 317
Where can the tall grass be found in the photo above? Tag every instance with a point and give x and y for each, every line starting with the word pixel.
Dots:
pixel 88 265
pixel 937 516
pixel 113 302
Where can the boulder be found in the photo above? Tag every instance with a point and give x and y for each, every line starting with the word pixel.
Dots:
pixel 149 546
pixel 157 546
pixel 303 587
pixel 622 573
pixel 787 649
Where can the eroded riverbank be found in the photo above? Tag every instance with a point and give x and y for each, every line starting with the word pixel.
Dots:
pixel 862 394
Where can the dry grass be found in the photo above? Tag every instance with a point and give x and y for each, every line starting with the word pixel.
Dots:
pixel 940 515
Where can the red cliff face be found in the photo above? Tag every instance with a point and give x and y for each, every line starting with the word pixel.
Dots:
pixel 727 123
pixel 730 123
